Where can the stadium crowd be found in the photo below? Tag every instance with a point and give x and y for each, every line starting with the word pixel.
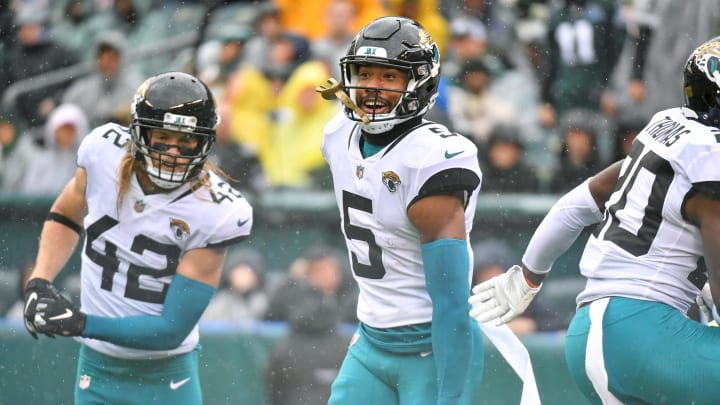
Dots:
pixel 550 91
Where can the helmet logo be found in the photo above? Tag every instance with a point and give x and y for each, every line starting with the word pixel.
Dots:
pixel 391 180
pixel 182 123
pixel 707 58
pixel 372 51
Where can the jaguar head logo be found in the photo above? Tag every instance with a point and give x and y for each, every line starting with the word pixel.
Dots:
pixel 391 180
pixel 180 228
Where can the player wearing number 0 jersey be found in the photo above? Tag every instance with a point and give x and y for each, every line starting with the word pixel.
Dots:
pixel 158 219
pixel 406 189
pixel 658 241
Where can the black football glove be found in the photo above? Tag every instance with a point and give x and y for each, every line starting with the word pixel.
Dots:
pixel 36 289
pixel 59 316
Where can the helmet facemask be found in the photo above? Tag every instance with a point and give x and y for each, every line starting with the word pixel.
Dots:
pixel 402 44
pixel 183 106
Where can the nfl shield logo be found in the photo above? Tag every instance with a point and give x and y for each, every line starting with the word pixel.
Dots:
pixel 359 171
pixel 139 206
pixel 84 382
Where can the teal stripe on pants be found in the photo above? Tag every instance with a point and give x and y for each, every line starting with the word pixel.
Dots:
pixel 653 354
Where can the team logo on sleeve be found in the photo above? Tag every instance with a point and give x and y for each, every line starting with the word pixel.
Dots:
pixel 391 180
pixel 180 228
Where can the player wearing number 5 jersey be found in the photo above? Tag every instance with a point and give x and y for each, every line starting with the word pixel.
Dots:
pixel 406 189
pixel 157 220
pixel 645 263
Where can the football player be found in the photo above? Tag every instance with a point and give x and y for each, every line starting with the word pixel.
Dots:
pixel 657 243
pixel 157 218
pixel 406 189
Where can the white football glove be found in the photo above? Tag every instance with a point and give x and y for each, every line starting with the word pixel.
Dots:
pixel 502 298
pixel 706 304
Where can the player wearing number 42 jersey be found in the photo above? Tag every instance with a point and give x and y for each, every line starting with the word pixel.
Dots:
pixel 657 243
pixel 157 220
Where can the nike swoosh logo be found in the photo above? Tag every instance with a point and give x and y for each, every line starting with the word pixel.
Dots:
pixel 425 354
pixel 449 155
pixel 68 313
pixel 31 298
pixel 175 385
pixel 240 222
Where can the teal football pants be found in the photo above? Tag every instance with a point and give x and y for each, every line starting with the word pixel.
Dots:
pixel 629 351
pixel 103 379
pixel 370 375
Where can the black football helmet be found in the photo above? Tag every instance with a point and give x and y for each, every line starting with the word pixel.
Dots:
pixel 400 43
pixel 178 102
pixel 702 82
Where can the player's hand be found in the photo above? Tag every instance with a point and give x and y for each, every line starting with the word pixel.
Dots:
pixel 502 298
pixel 36 289
pixel 59 316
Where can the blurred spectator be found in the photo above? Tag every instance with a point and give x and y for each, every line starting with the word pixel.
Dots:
pixel 250 98
pixel 427 13
pixel 52 165
pixel 578 157
pixel 301 17
pixel 125 16
pixel 667 28
pixel 493 257
pixel 503 166
pixel 628 127
pixel 496 16
pixel 71 26
pixel 322 268
pixel 104 94
pixel 286 53
pixel 238 161
pixel 303 364
pixel 468 41
pixel 10 133
pixel 472 108
pixel 267 29
pixel 33 54
pixel 583 44
pixel 339 18
pixel 221 57
pixel 301 115
pixel 241 294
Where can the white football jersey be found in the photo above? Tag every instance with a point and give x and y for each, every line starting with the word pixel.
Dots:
pixel 131 253
pixel 645 248
pixel 374 194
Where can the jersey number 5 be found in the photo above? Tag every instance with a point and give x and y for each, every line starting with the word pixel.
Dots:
pixel 374 270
